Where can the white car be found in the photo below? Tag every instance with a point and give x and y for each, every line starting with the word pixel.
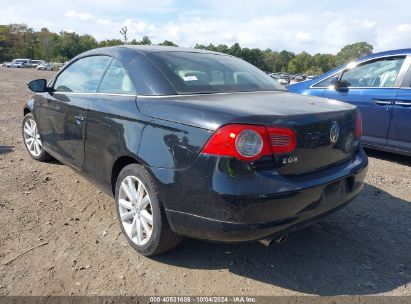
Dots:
pixel 45 67
pixel 36 63
pixel 18 64
pixel 284 81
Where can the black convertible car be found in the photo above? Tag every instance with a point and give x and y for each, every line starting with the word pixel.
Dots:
pixel 196 143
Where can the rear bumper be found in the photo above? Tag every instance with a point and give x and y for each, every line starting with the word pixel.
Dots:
pixel 209 202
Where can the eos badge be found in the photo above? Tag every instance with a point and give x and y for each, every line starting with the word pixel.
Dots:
pixel 290 160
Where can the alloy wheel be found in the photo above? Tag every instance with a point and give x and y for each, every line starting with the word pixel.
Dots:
pixel 135 210
pixel 32 137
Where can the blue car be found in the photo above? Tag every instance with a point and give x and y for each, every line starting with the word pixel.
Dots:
pixel 380 86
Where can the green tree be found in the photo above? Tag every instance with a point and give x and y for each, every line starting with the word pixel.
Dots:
pixel 254 56
pixel 271 60
pixel 300 63
pixel 235 50
pixel 168 43
pixel 6 46
pixel 67 45
pixel 19 40
pixel 222 48
pixel 323 63
pixel 292 66
pixel 284 58
pixel 87 42
pixel 110 42
pixel 144 41
pixel 353 51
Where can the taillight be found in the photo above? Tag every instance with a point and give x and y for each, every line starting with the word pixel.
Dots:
pixel 245 142
pixel 283 140
pixel 358 126
pixel 250 142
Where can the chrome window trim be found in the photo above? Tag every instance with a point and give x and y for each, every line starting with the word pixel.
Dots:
pixel 407 60
pixel 162 96
pixel 94 93
pixel 218 93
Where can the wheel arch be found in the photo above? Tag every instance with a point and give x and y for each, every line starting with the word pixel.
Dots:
pixel 118 165
pixel 28 107
pixel 26 111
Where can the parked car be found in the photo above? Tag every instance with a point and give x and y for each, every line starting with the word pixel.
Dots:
pixel 45 66
pixel 298 78
pixel 196 143
pixel 36 63
pixel 310 77
pixel 379 85
pixel 5 64
pixel 284 80
pixel 17 64
pixel 20 63
pixel 275 76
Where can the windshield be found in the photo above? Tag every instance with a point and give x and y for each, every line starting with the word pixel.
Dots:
pixel 211 73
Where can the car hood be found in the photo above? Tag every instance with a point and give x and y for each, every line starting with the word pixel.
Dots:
pixel 210 111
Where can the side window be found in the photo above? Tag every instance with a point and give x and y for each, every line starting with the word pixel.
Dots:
pixel 379 73
pixel 116 80
pixel 407 80
pixel 82 76
pixel 324 83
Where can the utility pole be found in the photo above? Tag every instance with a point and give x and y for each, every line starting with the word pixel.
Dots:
pixel 123 33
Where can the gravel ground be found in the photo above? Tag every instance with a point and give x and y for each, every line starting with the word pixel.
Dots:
pixel 364 249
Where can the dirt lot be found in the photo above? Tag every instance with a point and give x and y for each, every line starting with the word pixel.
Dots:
pixel 364 249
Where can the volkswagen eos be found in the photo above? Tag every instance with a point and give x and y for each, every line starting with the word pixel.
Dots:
pixel 196 143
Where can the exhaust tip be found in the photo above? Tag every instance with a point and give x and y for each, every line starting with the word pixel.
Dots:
pixel 279 240
pixel 265 242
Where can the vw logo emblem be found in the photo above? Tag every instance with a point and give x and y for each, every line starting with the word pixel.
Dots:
pixel 334 132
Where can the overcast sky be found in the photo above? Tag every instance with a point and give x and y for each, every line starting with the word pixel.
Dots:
pixel 296 25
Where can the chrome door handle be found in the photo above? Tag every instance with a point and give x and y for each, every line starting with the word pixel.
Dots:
pixel 403 103
pixel 383 102
pixel 79 119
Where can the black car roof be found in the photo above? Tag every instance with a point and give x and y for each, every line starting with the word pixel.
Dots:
pixel 146 49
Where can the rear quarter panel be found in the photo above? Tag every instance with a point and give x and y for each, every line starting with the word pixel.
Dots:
pixel 116 128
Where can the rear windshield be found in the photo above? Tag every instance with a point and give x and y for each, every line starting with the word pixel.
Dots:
pixel 191 73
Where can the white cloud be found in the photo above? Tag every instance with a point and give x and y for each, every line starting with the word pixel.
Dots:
pixel 85 17
pixel 303 37
pixel 296 25
pixel 393 37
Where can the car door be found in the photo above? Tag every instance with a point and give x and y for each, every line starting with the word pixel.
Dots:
pixel 62 116
pixel 399 135
pixel 113 124
pixel 372 86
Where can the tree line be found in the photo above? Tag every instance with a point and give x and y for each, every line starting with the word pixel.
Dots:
pixel 22 41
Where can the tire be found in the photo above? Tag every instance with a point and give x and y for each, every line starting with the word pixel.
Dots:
pixel 134 215
pixel 36 149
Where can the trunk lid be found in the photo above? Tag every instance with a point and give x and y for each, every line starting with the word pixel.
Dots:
pixel 322 140
pixel 324 128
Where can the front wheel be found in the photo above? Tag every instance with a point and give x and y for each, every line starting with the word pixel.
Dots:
pixel 32 140
pixel 140 212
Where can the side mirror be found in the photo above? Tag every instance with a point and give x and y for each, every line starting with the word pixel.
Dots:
pixel 338 84
pixel 335 81
pixel 38 85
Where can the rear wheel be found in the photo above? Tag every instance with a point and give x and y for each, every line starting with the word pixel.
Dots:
pixel 32 139
pixel 140 212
